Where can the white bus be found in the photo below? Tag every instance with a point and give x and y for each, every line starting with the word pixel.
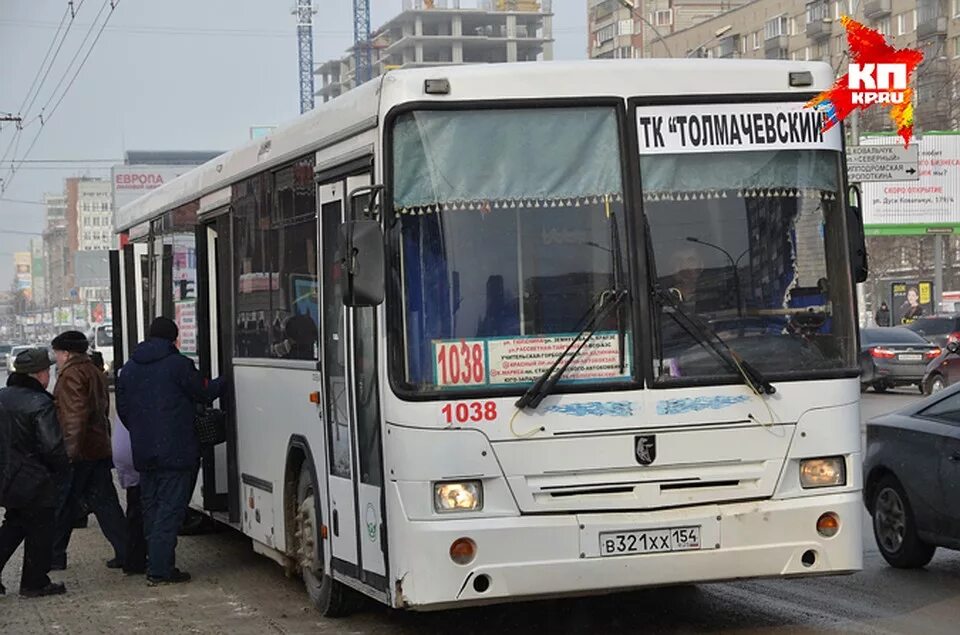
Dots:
pixel 510 331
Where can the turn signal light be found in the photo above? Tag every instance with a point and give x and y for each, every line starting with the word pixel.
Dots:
pixel 933 354
pixel 315 397
pixel 828 525
pixel 463 551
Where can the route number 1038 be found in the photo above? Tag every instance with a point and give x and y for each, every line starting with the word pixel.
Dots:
pixel 467 411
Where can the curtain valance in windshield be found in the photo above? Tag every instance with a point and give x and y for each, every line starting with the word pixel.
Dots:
pixel 790 174
pixel 501 159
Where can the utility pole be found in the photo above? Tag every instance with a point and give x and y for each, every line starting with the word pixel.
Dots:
pixel 304 12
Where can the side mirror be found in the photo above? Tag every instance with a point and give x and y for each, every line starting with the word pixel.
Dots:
pixel 360 253
pixel 953 347
pixel 857 239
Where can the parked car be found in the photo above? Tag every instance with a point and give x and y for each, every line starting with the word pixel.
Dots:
pixel 911 477
pixel 894 356
pixel 939 329
pixel 5 352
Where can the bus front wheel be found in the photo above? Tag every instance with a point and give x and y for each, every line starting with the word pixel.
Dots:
pixel 330 597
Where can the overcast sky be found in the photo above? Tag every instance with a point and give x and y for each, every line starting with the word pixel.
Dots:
pixel 171 75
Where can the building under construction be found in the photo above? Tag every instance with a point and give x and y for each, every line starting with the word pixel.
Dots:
pixel 439 32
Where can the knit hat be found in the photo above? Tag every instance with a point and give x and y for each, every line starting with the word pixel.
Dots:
pixel 32 360
pixel 164 328
pixel 71 341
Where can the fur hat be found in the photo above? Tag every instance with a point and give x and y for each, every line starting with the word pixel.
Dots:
pixel 71 341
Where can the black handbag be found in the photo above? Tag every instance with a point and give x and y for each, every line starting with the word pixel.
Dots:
pixel 211 425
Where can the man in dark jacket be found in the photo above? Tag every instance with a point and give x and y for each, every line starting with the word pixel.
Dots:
pixel 83 407
pixel 158 390
pixel 37 457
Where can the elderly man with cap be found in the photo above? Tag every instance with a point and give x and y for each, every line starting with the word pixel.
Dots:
pixel 37 457
pixel 83 408
pixel 158 391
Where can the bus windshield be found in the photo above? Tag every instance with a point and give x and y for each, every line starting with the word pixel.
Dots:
pixel 509 228
pixel 750 240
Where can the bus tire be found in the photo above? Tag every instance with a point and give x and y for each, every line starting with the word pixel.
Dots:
pixel 331 598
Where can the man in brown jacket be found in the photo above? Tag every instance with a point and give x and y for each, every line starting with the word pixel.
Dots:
pixel 83 408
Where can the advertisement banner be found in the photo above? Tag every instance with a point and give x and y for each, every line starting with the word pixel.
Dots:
pixel 130 182
pixel 930 200
pixel 23 266
pixel 910 300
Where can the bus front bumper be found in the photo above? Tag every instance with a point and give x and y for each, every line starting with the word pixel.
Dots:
pixel 531 557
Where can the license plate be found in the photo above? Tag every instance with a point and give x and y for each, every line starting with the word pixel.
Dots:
pixel 618 543
pixel 910 357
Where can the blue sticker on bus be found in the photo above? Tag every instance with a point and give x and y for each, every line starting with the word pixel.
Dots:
pixel 595 409
pixel 696 404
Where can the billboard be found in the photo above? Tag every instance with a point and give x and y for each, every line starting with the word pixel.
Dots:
pixel 910 300
pixel 23 266
pixel 931 201
pixel 130 182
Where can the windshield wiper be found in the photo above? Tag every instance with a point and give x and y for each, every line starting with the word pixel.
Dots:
pixel 607 300
pixel 704 333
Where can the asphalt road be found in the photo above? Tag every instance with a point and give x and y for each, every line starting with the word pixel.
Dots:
pixel 235 591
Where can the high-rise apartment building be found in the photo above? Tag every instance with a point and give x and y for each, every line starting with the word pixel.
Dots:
pixel 94 215
pixel 441 32
pixel 57 254
pixel 638 28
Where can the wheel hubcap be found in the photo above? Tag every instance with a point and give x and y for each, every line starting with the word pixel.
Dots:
pixel 890 520
pixel 937 385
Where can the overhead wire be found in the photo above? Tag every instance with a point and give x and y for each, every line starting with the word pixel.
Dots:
pixel 43 121
pixel 27 103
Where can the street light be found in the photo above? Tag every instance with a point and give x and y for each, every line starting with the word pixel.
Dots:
pixel 716 35
pixel 733 263
pixel 629 4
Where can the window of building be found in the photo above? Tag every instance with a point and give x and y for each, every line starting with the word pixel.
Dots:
pixel 904 23
pixel 756 40
pixel 625 27
pixel 663 17
pixel 956 9
pixel 791 26
pixel 775 28
pixel 806 53
pixel 883 26
pixel 606 34
pixel 956 46
pixel 818 11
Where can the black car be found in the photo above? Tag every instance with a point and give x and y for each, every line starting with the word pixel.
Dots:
pixel 912 477
pixel 939 329
pixel 894 356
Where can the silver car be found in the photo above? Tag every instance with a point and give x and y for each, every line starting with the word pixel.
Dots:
pixel 912 479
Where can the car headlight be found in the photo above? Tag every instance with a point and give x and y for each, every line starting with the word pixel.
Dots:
pixel 823 472
pixel 466 496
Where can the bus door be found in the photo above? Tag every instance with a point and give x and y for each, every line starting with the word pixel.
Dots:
pixel 351 409
pixel 219 485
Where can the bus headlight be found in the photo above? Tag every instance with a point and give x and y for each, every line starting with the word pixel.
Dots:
pixel 466 496
pixel 823 472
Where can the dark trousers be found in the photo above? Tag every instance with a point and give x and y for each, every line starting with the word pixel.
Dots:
pixel 136 560
pixel 166 494
pixel 33 526
pixel 92 483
